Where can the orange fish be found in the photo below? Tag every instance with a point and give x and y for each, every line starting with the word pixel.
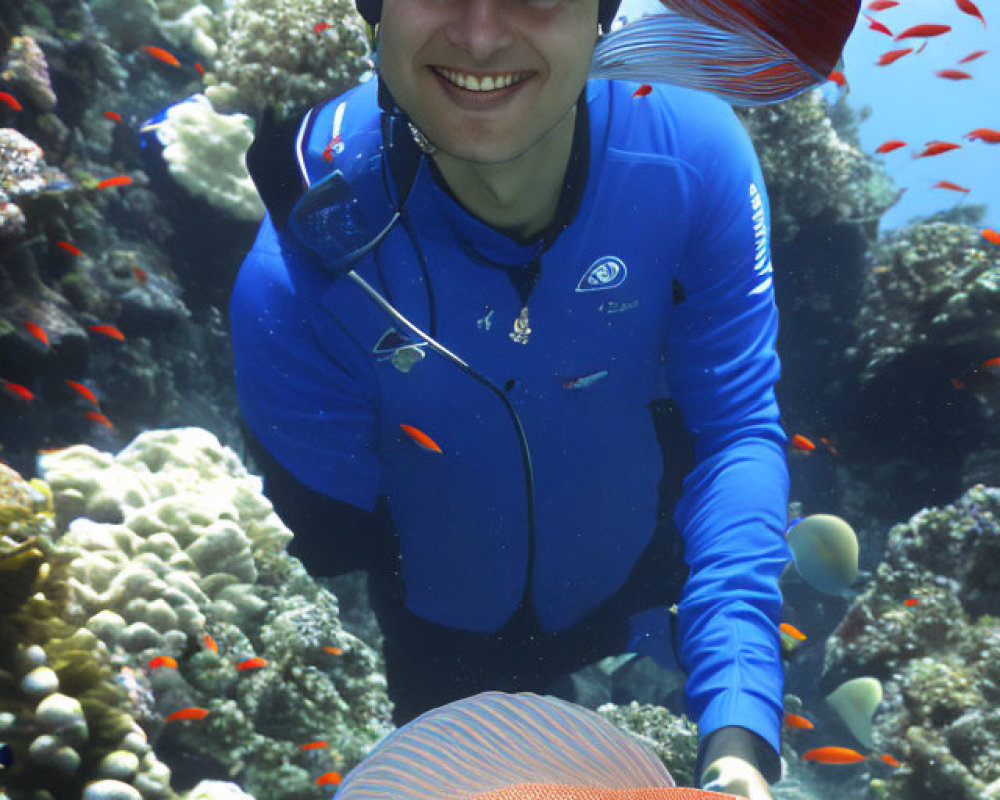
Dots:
pixel 319 744
pixel 875 25
pixel 992 364
pixel 97 416
pixel 953 186
pixel 113 115
pixel 791 630
pixel 922 31
pixel 163 661
pixel 802 444
pixel 209 642
pixel 162 55
pixel 328 150
pixel 888 759
pixel 990 135
pixel 199 68
pixel 329 779
pixel 72 249
pixel 117 180
pixel 191 712
pixel 890 145
pixel 829 446
pixel 83 391
pixel 795 721
pixel 17 391
pixel 881 5
pixel 37 331
pixel 936 148
pixel 251 663
pixel 833 755
pixel 893 55
pixel 838 78
pixel 991 235
pixel 421 438
pixel 910 602
pixel 968 7
pixel 319 27
pixel 643 90
pixel 953 74
pixel 140 274
pixel 107 330
pixel 10 101
pixel 333 651
pixel 973 56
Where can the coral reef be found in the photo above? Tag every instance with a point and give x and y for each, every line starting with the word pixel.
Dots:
pixel 205 153
pixel 812 172
pixel 273 57
pixel 674 739
pixel 171 540
pixel 26 71
pixel 65 717
pixel 937 656
pixel 930 284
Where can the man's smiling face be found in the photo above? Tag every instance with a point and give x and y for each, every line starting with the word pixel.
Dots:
pixel 487 80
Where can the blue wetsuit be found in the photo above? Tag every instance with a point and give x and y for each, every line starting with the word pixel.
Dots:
pixel 659 286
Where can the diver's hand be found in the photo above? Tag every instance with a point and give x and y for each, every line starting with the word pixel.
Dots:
pixel 731 775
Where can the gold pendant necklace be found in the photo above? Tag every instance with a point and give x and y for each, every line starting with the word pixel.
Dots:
pixel 522 328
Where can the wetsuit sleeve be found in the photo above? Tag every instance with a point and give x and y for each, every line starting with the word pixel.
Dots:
pixel 722 367
pixel 303 399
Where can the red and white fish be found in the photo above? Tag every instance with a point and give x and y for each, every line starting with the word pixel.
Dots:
pixel 513 747
pixel 748 52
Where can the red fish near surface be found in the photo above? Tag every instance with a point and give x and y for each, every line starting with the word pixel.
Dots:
pixel 953 74
pixel 893 55
pixel 936 149
pixel 973 56
pixel 875 25
pixel 748 52
pixel 881 5
pixel 968 7
pixel 953 186
pixel 890 145
pixel 923 31
pixel 984 135
pixel 499 746
pixel 643 90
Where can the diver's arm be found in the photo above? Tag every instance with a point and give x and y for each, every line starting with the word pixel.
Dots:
pixel 722 367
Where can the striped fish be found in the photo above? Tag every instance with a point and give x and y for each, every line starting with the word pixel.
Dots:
pixel 748 52
pixel 497 746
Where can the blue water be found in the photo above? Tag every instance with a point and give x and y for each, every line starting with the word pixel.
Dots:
pixel 908 101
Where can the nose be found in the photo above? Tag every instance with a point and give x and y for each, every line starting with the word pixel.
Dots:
pixel 481 27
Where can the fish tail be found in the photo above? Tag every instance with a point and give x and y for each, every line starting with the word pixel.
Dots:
pixel 749 52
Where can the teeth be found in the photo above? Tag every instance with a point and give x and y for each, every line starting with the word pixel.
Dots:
pixel 474 84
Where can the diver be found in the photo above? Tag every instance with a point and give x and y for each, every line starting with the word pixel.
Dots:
pixel 486 290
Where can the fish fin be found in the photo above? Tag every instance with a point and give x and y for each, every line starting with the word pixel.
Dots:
pixel 490 741
pixel 748 52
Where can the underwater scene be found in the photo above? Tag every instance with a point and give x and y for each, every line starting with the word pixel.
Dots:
pixel 170 628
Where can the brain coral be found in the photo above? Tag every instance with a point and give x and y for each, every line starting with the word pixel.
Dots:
pixel 272 56
pixel 938 656
pixel 171 540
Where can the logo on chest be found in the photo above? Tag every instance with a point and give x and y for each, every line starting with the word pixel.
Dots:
pixel 607 272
